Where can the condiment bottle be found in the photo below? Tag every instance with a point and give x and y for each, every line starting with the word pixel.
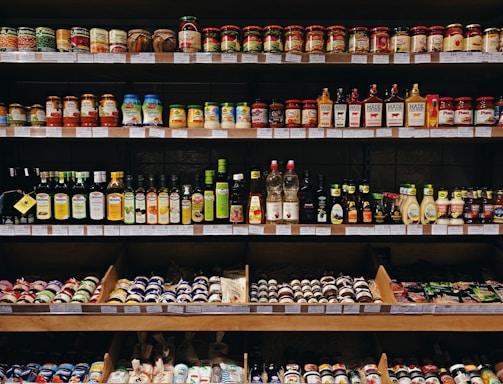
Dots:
pixel 307 196
pixel 44 197
pixel 442 206
pixel 428 210
pixel 290 190
pixel 163 195
pixel 115 199
pixel 325 109
pixel 471 209
pixel 61 202
pixel 197 201
pixel 394 216
pixel 175 206
pixel 351 208
pixel 336 205
pixel 410 207
pixel 379 213
pixel 255 212
pixel 209 196
pixel 274 200
pixel 372 109
pixel 237 210
pixel 486 211
pixel 151 201
pixel 222 192
pixel 186 204
pixel 456 204
pixel 139 201
pixel 129 213
pixel 365 213
pixel 321 201
pixel 340 109
pixel 355 109
pixel 415 108
pixel 394 108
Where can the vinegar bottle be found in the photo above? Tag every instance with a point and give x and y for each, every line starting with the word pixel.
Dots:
pixel 151 201
pixel 325 110
pixel 290 190
pixel 307 200
pixel 274 200
pixel 162 201
pixel 129 212
pixel 44 197
pixel 175 201
pixel 222 193
pixel 97 206
pixel 237 209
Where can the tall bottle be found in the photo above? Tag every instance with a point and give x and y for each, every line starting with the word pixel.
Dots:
pixel 340 110
pixel 428 209
pixel 442 206
pixel 175 204
pixel 129 209
pixel 379 211
pixel 307 200
pixel 209 197
pixel 351 207
pixel 325 106
pixel 163 201
pixel 79 197
pixel 274 199
pixel 115 199
pixel 151 201
pixel 140 207
pixel 321 201
pixel 61 200
pixel 9 215
pixel 394 107
pixel 290 191
pixel 186 204
pixel 43 197
pixel 236 200
pixel 355 109
pixel 222 193
pixel 471 210
pixel 336 204
pixel 197 201
pixel 97 205
pixel 456 206
pixel 365 211
pixel 486 206
pixel 415 108
pixel 255 211
pixel 410 207
pixel 372 109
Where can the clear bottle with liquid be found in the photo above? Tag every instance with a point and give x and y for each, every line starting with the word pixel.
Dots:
pixel 428 209
pixel 274 198
pixel 290 191
pixel 115 199
pixel 186 204
pixel 61 203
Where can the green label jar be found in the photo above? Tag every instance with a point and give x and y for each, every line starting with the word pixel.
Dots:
pixel 229 39
pixel 273 39
pixel 252 39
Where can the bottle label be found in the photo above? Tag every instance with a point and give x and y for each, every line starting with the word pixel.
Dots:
pixel 129 213
pixel 115 208
pixel 446 117
pixel 412 214
pixel 396 216
pixel 209 206
pixel 259 115
pixel 355 112
pixel 79 203
pixel 96 206
pixel 366 213
pixel 498 214
pixel 61 206
pixel 486 212
pixel 442 210
pixel 197 207
pixel 340 112
pixel 151 208
pixel 222 200
pixel 274 211
pixel 416 113
pixel 290 211
pixel 321 211
pixel 309 117
pixel 379 216
pixel 336 214
pixel 186 211
pixel 255 214
pixel 394 114
pixel 174 208
pixel 430 213
pixel 352 213
pixel 373 114
pixel 484 116
pixel 140 208
pixel 325 117
pixel 43 211
pixel 163 208
pixel 236 214
pixel 456 211
pixel 292 116
pixel 88 108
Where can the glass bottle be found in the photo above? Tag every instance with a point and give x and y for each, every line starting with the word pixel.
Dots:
pixel 139 201
pixel 197 201
pixel 442 206
pixel 79 197
pixel 115 199
pixel 351 208
pixel 151 201
pixel 129 198
pixel 255 212
pixel 325 105
pixel 372 109
pixel 321 201
pixel 486 206
pixel 394 107
pixel 307 199
pixel 379 213
pixel 274 199
pixel 290 191
pixel 236 200
pixel 336 205
pixel 209 196
pixel 163 201
pixel 355 109
pixel 174 201
pixel 186 204
pixel 340 109
pixel 415 108
pixel 96 200
pixel 222 192
pixel 394 214
pixel 43 197
pixel 61 200
pixel 365 212
pixel 471 209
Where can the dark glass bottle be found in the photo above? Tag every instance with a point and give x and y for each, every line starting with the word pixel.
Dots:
pixel 79 200
pixel 486 206
pixel 236 200
pixel 307 200
pixel 175 201
pixel 372 109
pixel 379 210
pixel 43 196
pixel 351 208
pixel 365 213
pixel 197 201
pixel 340 109
pixel 355 109
pixel 163 201
pixel 336 205
pixel 222 193
pixel 139 201
pixel 129 197
pixel 151 201
pixel 321 201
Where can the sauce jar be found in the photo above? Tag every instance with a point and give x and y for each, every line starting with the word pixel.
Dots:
pixel 46 39
pixel 26 39
pixel 63 43
pixel 229 39
pixel 400 40
pixel 435 40
pixel 227 115
pixel 139 40
pixel 189 35
pixel 107 111
pixel 37 115
pixel 211 115
pixel 53 112
pixel 453 38
pixel 8 39
pixel 17 115
pixel 3 114
pixel 472 41
pixel 445 112
pixel 315 39
pixel 463 112
pixel 498 219
pixel 211 39
pixel 79 39
pixel 177 116
pixel 117 41
pixel 195 116
pixel 358 40
pixel 273 39
pixel 88 110
pixel 131 110
pixel 252 39
pixel 243 115
pixel 276 115
pixel 293 113
pixel 336 39
pixel 259 114
pixel 152 110
pixel 98 40
pixel 71 112
pixel 164 40
pixel 294 39
pixel 418 41
pixel 484 110
pixel 379 40
pixel 490 40
pixel 309 114
pixel 498 111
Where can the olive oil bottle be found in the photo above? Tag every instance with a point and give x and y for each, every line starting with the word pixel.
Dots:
pixel 115 199
pixel 61 200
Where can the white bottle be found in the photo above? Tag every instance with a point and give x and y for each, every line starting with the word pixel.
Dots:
pixel 428 209
pixel 442 206
pixel 291 198
pixel 410 207
pixel 456 205
pixel 274 199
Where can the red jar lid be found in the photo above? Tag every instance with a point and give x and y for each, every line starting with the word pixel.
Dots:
pixel 224 27
pixel 273 27
pixel 418 28
pixel 309 102
pixel 381 29
pixel 252 27
pixel 294 101
pixel 464 98
pixel 211 29
pixel 295 27
pixel 311 27
pixel 445 99
pixel 436 28
pixel 484 98
pixel 336 27
pixel 358 29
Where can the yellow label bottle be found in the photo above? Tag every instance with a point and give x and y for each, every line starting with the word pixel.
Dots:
pixel 162 202
pixel 115 199
pixel 325 110
pixel 61 200
pixel 415 108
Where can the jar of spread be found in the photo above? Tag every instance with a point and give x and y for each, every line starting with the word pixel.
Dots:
pixel 358 40
pixel 211 39
pixel 131 110
pixel 177 116
pixel 273 39
pixel 211 115
pixel 26 39
pixel 435 40
pixel 229 39
pixel 71 112
pixel 243 115
pixel 252 39
pixel 108 112
pixel 294 39
pixel 498 219
pixel 491 40
pixel 292 113
pixel 164 40
pixel 8 39
pixel 88 110
pixel 453 38
pixel 463 112
pixel 315 39
pixel 309 114
pixel 445 112
pixel 53 112
pixel 195 116
pixel 152 110
pixel 400 40
pixel 227 115
pixel 37 115
pixel 3 114
pixel 336 39
pixel 379 40
pixel 276 115
pixel 418 41
pixel 80 39
pixel 117 40
pixel 139 40
pixel 472 41
pixel 17 115
pixel 484 110
pixel 259 114
pixel 189 35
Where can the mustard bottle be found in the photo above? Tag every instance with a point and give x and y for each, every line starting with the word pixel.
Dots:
pixel 325 110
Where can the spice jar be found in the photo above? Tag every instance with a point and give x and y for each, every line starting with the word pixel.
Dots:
pixel 273 39
pixel 53 112
pixel 17 115
pixel 418 41
pixel 453 38
pixel 309 114
pixel 315 39
pixel 195 117
pixel 189 35
pixel 88 110
pixel 358 40
pixel 463 112
pixel 37 115
pixel 379 40
pixel 164 40
pixel 276 115
pixel 252 39
pixel 243 115
pixel 292 113
pixel 336 39
pixel 177 116
pixel 294 39
pixel 138 40
pixel 259 114
pixel 445 112
pixel 472 41
pixel 490 40
pixel 227 115
pixel 71 112
pixel 435 40
pixel 107 111
pixel 484 110
pixel 229 39
pixel 211 39
pixel 400 40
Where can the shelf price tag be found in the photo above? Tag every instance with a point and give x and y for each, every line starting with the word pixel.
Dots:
pixel 217 230
pixel 175 309
pixel 293 58
pixel 491 229
pixel 53 132
pixel 497 57
pixel 256 229
pixel 359 59
pixel 179 133
pixel 108 309
pixel 382 230
pixel 126 230
pixel 137 132
pixel 351 309
pixel 186 230
pixel 367 230
pixel 204 57
pixel 111 230
pixel 292 309
pixel 181 58
pixel 323 231
pixel 421 133
pixel 156 132
pixel 297 133
pixel 26 57
pixel 307 231
pixel 273 58
pixel 397 229
pixel 380 59
pixel 22 230
pixel 334 133
pixel 229 58
pixel 447 57
pixel 94 230
pixel 240 230
pixel 39 230
pixel 85 58
pixel 3 132
pixel 352 231
pixel 465 132
pixel 422 58
pixel 49 56
pixel 119 58
pixel 67 57
pixel 132 308
pixel 371 308
pixel 483 131
pixel 475 230
pixel 455 230
pixel 76 230
pixel 406 133
pixel 249 58
pixel 316 133
pixel 281 133
pixel 82 132
pixel 107 58
pixel 143 58
pixel 283 230
pixel 264 133
pixel 384 132
pixel 100 131
pixel 316 309
pixel 315 58
pixel 439 229
pixel 22 131
pixel 333 309
pixel 5 309
pixel 154 309
pixel 401 58
pixel 413 229
pixel 262 309
pixel 193 309
pixel 219 133
pixel 60 230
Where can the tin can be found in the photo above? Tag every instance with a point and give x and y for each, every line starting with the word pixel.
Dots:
pixel 400 40
pixel 107 111
pixel 152 110
pixel 358 40
pixel 435 39
pixel 490 40
pixel 88 110
pixel 71 112
pixel 195 118
pixel 37 115
pixel 472 41
pixel 211 115
pixel 26 39
pixel 46 39
pixel 418 43
pixel 3 114
pixel 243 115
pixel 177 116
pixel 453 38
pixel 8 39
pixel 17 115
pixel 53 112
pixel 117 41
pixel 79 39
pixel 98 40
pixel 63 43
pixel 131 110
pixel 379 40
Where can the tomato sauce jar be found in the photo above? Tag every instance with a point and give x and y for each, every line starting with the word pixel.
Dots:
pixel 463 111
pixel 472 41
pixel 336 39
pixel 309 114
pixel 71 112
pixel 108 111
pixel 88 110
pixel 358 40
pixel 315 39
pixel 53 112
pixel 252 39
pixel 484 110
pixel 435 39
pixel 259 114
pixel 211 39
pixel 229 39
pixel 379 40
pixel 445 112
pixel 418 41
pixel 453 38
pixel 276 115
pixel 293 113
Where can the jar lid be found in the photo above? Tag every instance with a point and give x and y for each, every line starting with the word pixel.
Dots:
pixel 71 98
pixel 195 106
pixel 311 27
pixel 482 98
pixel 464 98
pixel 456 366
pixel 455 25
pixel 419 28
pixel 211 29
pixel 164 30
pixel 309 101
pixel 336 27
pixel 375 29
pixel 401 29
pixel 471 26
pixel 227 104
pixel 138 30
pixel 242 104
pixel 130 95
pixel 235 27
pixel 177 106
pixel 435 27
pixel 447 98
pixel 295 27
pixel 52 97
pixel 358 29
pixel 151 96
pixel 183 18
pixel 37 106
pixel 491 29
pixel 292 101
pixel 252 27
pixel 88 95
pixel 107 95
pixel 211 103
pixel 274 27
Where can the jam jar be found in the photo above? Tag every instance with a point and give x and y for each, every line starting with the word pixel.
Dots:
pixel 490 40
pixel 472 41
pixel 336 39
pixel 453 38
pixel 484 110
pixel 400 40
pixel 418 41
pixel 358 40
pixel 379 40
pixel 292 113
pixel 309 114
pixel 211 39
pixel 315 39
pixel 189 35
pixel 463 111
pixel 445 112
pixel 229 39
pixel 273 39
pixel 276 115
pixel 435 40
pixel 294 39
pixel 252 39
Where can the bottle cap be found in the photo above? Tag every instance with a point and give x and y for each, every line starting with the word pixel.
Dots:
pixel 290 164
pixel 274 164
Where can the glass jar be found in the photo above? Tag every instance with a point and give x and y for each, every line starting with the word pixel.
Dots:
pixel 400 40
pixel 17 115
pixel 131 110
pixel 358 40
pixel 463 112
pixel 53 112
pixel 229 39
pixel 37 115
pixel 453 38
pixel 108 112
pixel 445 112
pixel 177 116
pixel 152 111
pixel 490 40
pixel 71 112
pixel 435 40
pixel 211 39
pixel 195 116
pixel 418 41
pixel 498 111
pixel 189 35
pixel 139 40
pixel 484 110
pixel 273 39
pixel 294 39
pixel 164 40
pixel 211 115
pixel 276 115
pixel 243 115
pixel 252 39
pixel 336 39
pixel 227 115
pixel 309 114
pixel 379 40
pixel 293 113
pixel 315 39
pixel 259 114
pixel 3 114
pixel 88 110
pixel 472 41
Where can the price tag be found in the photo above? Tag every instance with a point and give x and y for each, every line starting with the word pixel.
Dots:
pixel 57 308
pixel 137 132
pixel 73 308
pixel 397 229
pixel 264 133
pixel 382 230
pixel 22 230
pixel 53 131
pixel 22 132
pixel 455 230
pixel 193 309
pixel 314 58
pixel 351 309
pixel 316 133
pixel 470 57
pixel 82 132
pixel 423 58
pixel 283 230
pixel 316 309
pixel 380 59
pixel 240 230
pixel 401 58
pixel 249 58
pixel 85 58
pixel 76 230
pixel 334 133
pixel 263 309
pixel 186 230
pixel 164 230
pixel 451 132
pixel 483 131
pixel 273 58
pixel 239 308
pixel 204 57
pixel 119 58
pixel 413 229
pixel 333 309
pixel 384 132
pixel 148 230
pixel 111 230
pixel 447 57
pixel 8 57
pixel 94 230
pixel 421 133
pixel 108 309
pixel 219 133
pixel 475 230
pixel 293 58
pixel 217 230
pixel 281 133
pixel 367 231
pixel 372 308
pixel 396 309
pixel 358 59
pixel 26 57
pixel 49 56
pixel 100 132
pixel 307 231
pixel 297 133
pixel 154 309
pixel 491 229
pixel 67 57
pixel 291 309
pixel 146 58
pixel 126 230
pixel 39 230
pixel 256 229
pixel 352 231
pixel 406 133
pixel 104 58
pixel 230 58
pixel 181 58
pixel 60 230
pixel 5 309
pixel 350 133
pixel 177 309
pixel 156 132
pixel 465 132
pixel 179 133
pixel 439 229
pixel 132 309
pixel 323 231
pixel 3 132
pixel 497 57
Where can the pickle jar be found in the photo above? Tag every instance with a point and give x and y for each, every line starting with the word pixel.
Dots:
pixel 336 39
pixel 490 40
pixel 189 34
pixel 358 40
pixel 294 39
pixel 435 39
pixel 463 111
pixel 139 40
pixel 273 39
pixel 484 110
pixel 252 39
pixel 229 39
pixel 211 39
pixel 472 41
pixel 400 40
pixel 445 112
pixel 315 39
pixel 379 40
pixel 164 40
pixel 418 40
pixel 453 38
pixel 37 115
pixel 17 115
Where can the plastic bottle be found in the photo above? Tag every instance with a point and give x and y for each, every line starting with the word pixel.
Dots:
pixel 410 207
pixel 255 208
pixel 415 108
pixel 291 198
pixel 456 204
pixel 428 210
pixel 274 199
pixel 442 206
pixel 325 106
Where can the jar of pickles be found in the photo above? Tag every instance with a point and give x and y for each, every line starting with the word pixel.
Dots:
pixel 139 40
pixel 189 35
pixel 273 39
pixel 294 39
pixel 229 39
pixel 418 43
pixel 472 41
pixel 463 111
pixel 336 39
pixel 16 115
pixel 315 39
pixel 37 115
pixel 164 40
pixel 358 40
pixel 400 40
pixel 490 40
pixel 435 39
pixel 379 40
pixel 211 39
pixel 252 39
pixel 453 38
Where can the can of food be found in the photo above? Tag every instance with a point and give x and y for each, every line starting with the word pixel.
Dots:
pixel 26 39
pixel 17 115
pixel 490 40
pixel 79 39
pixel 71 112
pixel 46 39
pixel 37 115
pixel 3 114
pixel 88 110
pixel 63 43
pixel 53 113
pixel 117 41
pixel 108 112
pixel 8 39
pixel 98 40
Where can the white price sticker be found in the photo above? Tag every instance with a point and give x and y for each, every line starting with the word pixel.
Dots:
pixel 293 58
pixel 413 229
pixel 292 309
pixel 26 57
pixel 176 309
pixel 249 58
pixel 3 132
pixel 179 133
pixel 264 133
pixel 358 59
pixel 297 133
pixel 204 57
pixel 53 132
pixel 156 132
pixel 465 132
pixel 76 230
pixel 333 309
pixel 111 230
pixel 82 132
pixel 455 230
pixel 380 59
pixel 219 133
pixel 314 58
pixel 240 230
pixel 423 58
pixel 137 132
pixel 406 133
pixel 351 309
pixel 316 309
pixel 132 309
pixel 100 132
pixel 283 230
pixel 384 132
pixel 22 132
pixel 334 133
pixel 154 309
pixel 264 309
pixel 307 231
pixel 323 231
pixel 94 230
pixel 108 309
pixel 382 230
pixel 273 58
pixel 316 133
pixel 60 230
pixel 447 57
pixel 85 58
pixel 439 229
pixel 39 230
pixel 483 131
pixel 230 58
pixel 22 230
pixel 181 58
pixel 104 58
pixel 256 229
pixel 281 133
pixel 397 229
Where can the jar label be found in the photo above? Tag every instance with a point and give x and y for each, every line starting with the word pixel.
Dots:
pixel 274 211
pixel 435 43
pixel 463 117
pixel 243 114
pixel 355 111
pixel 276 116
pixel 293 43
pixel 445 117
pixel 222 200
pixel 472 43
pixel 394 114
pixel 416 114
pixel 255 211
pixel 17 114
pixel 290 211
pixel 484 116
pixel 230 43
pixel 37 116
pixel 336 43
pixel 336 214
pixel 108 108
pixel 131 113
pixel 228 114
pixel 211 44
pixel 71 109
pixel 140 208
pixel 195 116
pixel 379 42
pixel 252 43
pixel 151 203
pixel 430 213
pixel 315 43
pixel 211 113
pixel 292 116
pixel 197 207
pixel 400 43
pixel 309 117
pixel 453 43
pixel 88 108
pixel 273 44
pixel 358 42
pixel 373 114
pixel 325 116
pixel 412 215
pixel 259 115
pixel 490 42
pixel 456 211
pixel 189 41
pixel 418 44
